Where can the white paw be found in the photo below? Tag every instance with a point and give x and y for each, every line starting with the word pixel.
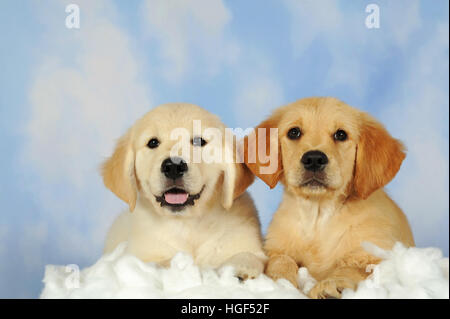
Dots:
pixel 246 265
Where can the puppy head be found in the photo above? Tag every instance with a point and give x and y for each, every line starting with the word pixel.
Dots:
pixel 327 148
pixel 174 158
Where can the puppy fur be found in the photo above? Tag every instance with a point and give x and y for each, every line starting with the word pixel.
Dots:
pixel 321 227
pixel 220 228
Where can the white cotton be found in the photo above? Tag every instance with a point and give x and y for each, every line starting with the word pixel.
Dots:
pixel 119 275
pixel 404 273
pixel 305 281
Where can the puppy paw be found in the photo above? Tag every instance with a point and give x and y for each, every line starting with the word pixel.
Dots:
pixel 331 288
pixel 246 265
pixel 282 267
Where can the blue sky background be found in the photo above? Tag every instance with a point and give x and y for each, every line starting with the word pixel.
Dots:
pixel 67 94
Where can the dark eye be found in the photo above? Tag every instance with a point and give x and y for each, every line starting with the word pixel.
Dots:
pixel 294 133
pixel 153 143
pixel 340 135
pixel 198 141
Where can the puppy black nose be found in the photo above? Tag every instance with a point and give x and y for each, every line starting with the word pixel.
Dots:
pixel 314 161
pixel 174 167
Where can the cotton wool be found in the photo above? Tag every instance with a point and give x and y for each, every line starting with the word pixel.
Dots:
pixel 403 273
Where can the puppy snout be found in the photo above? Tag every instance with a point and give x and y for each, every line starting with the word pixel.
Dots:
pixel 174 167
pixel 314 161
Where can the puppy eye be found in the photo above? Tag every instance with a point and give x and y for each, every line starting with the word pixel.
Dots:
pixel 294 133
pixel 198 141
pixel 153 143
pixel 340 135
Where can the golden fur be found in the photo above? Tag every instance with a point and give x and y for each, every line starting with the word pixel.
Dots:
pixel 322 228
pixel 222 226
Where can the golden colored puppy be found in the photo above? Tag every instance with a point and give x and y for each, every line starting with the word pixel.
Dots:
pixel 333 162
pixel 177 204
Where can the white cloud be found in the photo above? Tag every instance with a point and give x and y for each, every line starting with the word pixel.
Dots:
pixel 325 21
pixel 30 245
pixel 419 116
pixel 310 19
pixel 400 21
pixel 258 89
pixel 255 99
pixel 343 33
pixel 85 94
pixel 191 34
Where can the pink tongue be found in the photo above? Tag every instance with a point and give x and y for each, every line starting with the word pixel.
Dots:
pixel 179 198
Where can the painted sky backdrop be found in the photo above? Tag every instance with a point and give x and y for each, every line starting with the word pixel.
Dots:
pixel 66 95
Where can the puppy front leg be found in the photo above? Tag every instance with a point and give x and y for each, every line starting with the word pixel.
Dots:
pixel 282 266
pixel 339 279
pixel 348 273
pixel 246 265
pixel 165 263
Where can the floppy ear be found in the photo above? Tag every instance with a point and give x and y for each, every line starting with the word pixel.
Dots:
pixel 236 176
pixel 257 145
pixel 118 172
pixel 378 157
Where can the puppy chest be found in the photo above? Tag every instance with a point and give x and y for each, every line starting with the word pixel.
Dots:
pixel 311 242
pixel 164 240
pixel 161 240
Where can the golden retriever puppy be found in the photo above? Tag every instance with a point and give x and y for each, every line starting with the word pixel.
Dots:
pixel 177 203
pixel 333 161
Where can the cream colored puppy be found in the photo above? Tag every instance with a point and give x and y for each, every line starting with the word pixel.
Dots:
pixel 177 203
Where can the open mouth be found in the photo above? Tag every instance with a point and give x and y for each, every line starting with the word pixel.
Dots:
pixel 177 198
